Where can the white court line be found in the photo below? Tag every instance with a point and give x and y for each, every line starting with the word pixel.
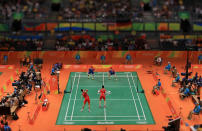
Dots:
pixel 122 76
pixel 103 78
pixel 106 72
pixel 104 107
pixel 75 97
pixel 111 99
pixel 138 98
pixel 105 120
pixel 106 116
pixel 111 86
pixel 98 99
pixel 70 97
pixel 133 98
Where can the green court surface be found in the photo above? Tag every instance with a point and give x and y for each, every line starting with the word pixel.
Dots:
pixel 126 105
pixel 1 73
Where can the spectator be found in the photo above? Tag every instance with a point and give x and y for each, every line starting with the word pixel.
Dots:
pixel 174 72
pixel 77 57
pixel 177 79
pixel 102 58
pixel 5 59
pixel 6 127
pixel 53 71
pixel 2 125
pixel 158 60
pixel 128 59
pixel 196 111
pixel 156 88
pixel 167 68
pixel 19 45
pixel 185 93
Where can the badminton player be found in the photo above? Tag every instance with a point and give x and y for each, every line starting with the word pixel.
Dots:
pixel 112 73
pixel 102 96
pixel 91 72
pixel 86 99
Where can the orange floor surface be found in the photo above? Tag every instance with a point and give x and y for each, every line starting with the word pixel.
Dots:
pixel 46 120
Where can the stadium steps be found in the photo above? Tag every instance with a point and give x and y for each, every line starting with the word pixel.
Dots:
pixel 134 3
pixel 65 3
pixel 49 43
pixel 153 41
pixel 148 16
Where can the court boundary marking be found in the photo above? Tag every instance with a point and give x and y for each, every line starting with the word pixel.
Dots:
pixel 105 116
pixel 75 97
pixel 110 99
pixel 104 120
pixel 98 76
pixel 104 107
pixel 133 98
pixel 67 109
pixel 138 96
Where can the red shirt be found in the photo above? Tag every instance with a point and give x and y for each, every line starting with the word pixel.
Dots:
pixel 85 95
pixel 102 92
pixel 1 127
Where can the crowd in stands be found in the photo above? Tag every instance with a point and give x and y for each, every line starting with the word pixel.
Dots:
pixel 74 9
pixel 97 9
pixel 169 44
pixel 20 45
pixel 126 43
pixel 198 12
pixel 92 9
pixel 198 44
pixel 27 7
pixel 167 9
pixel 4 125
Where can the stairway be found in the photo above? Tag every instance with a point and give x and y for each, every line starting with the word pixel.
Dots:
pixel 148 16
pixel 153 40
pixel 50 41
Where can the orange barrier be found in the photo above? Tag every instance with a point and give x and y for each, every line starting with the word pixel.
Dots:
pixel 93 57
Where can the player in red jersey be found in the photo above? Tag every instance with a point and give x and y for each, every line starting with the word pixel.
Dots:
pixel 102 96
pixel 86 99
